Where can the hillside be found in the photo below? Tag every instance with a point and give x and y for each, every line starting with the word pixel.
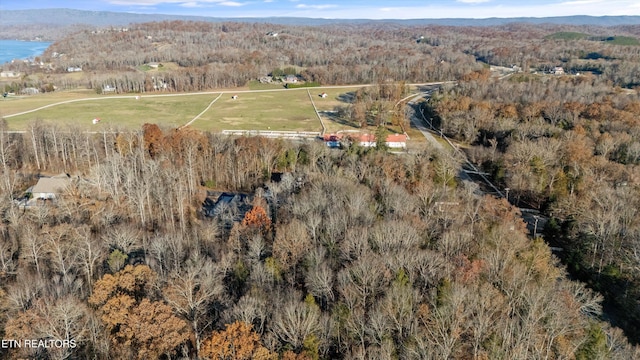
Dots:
pixel 27 24
pixel 172 242
pixel 346 253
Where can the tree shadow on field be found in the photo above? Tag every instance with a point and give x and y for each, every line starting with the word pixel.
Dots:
pixel 349 97
pixel 338 118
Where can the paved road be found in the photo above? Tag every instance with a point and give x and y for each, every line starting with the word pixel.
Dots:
pixel 419 121
pixel 533 218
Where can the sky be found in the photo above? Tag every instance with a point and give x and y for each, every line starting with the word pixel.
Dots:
pixel 346 9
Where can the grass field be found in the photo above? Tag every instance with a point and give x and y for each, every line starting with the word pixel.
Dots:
pixel 622 40
pixel 614 40
pixel 114 112
pixel 15 104
pixel 289 110
pixel 266 109
pixel 567 35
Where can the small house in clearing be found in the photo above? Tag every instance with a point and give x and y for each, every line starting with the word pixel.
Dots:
pixel 9 74
pixel 30 91
pixel 396 141
pixel 332 140
pixel 48 188
pixel 291 79
pixel 366 140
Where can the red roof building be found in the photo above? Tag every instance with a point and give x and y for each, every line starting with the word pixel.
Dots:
pixel 394 141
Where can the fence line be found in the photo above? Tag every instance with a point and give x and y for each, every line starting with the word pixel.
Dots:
pixel 274 134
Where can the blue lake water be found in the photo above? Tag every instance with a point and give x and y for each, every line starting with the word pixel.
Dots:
pixel 15 49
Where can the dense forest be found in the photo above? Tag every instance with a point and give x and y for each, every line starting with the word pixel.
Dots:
pixel 334 254
pixel 568 146
pixel 353 253
pixel 200 55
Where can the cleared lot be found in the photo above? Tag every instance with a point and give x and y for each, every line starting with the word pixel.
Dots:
pixel 274 109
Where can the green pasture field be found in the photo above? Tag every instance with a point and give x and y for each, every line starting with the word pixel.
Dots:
pixel 622 40
pixel 268 109
pixel 19 103
pixel 115 112
pixel 567 35
pixel 278 110
pixel 614 40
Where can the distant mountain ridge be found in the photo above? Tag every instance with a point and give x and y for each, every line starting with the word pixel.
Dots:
pixel 64 17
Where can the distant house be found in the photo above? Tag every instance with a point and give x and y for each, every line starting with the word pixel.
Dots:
pixel 108 89
pixel 232 206
pixel 74 69
pixel 366 140
pixel 332 140
pixel 291 79
pixel 558 70
pixel 9 74
pixel 394 141
pixel 153 65
pixel 272 34
pixel 30 91
pixel 48 188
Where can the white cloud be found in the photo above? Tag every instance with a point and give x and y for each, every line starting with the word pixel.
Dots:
pixel 231 3
pixel 191 4
pixel 316 7
pixel 580 2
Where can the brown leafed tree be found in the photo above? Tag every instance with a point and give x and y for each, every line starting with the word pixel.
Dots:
pixel 139 327
pixel 237 342
pixel 154 141
pixel 257 218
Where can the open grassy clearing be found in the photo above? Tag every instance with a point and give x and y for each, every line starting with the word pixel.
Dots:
pixel 288 110
pixel 335 97
pixel 257 85
pixel 19 103
pixel 119 113
pixel 614 40
pixel 622 40
pixel 278 110
pixel 567 35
